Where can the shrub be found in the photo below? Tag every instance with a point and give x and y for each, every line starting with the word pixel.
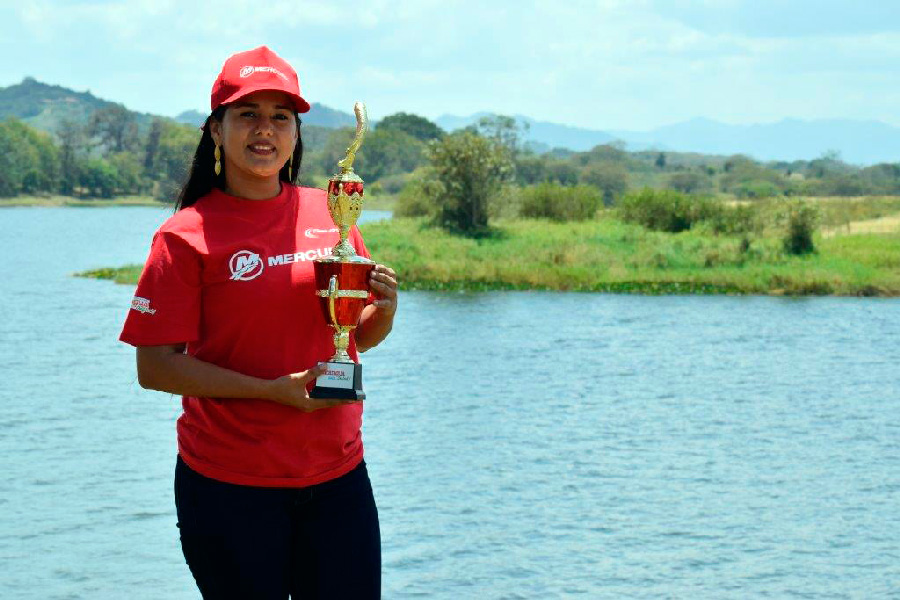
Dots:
pixel 666 210
pixel 506 203
pixel 802 219
pixel 416 199
pixel 735 220
pixel 756 189
pixel 561 203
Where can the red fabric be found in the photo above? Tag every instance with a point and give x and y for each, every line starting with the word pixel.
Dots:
pixel 258 316
pixel 252 71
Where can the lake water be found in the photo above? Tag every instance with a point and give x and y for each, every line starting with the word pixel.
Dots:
pixel 521 445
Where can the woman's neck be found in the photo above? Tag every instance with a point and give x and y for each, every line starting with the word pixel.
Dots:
pixel 251 188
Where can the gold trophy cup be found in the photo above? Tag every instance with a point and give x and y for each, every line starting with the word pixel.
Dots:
pixel 342 279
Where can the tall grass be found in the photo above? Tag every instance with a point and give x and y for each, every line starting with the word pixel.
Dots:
pixel 666 210
pixel 609 255
pixel 560 203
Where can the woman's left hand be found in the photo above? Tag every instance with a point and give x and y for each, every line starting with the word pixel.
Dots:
pixel 383 283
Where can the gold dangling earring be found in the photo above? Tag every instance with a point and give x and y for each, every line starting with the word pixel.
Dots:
pixel 291 168
pixel 218 155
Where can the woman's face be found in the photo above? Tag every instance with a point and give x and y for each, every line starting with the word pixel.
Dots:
pixel 257 135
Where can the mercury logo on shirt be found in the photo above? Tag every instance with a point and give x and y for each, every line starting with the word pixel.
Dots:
pixel 284 259
pixel 245 265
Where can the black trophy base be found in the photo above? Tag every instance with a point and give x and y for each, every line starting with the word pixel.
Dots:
pixel 341 381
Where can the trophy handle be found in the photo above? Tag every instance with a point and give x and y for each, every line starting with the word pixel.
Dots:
pixel 332 296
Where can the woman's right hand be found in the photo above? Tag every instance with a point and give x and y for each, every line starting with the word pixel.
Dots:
pixel 290 390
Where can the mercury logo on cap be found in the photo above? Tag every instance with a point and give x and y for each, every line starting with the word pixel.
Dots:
pixel 248 71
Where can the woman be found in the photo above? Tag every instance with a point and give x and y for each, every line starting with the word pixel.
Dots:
pixel 271 489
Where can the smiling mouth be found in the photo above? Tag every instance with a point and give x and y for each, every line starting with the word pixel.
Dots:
pixel 262 149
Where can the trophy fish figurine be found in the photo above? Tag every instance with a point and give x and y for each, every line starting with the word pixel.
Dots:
pixel 342 278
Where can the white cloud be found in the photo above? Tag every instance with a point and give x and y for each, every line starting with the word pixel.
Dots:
pixel 610 64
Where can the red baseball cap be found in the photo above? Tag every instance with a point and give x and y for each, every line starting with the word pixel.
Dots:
pixel 254 70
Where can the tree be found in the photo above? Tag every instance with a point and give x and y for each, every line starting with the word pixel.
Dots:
pixel 660 161
pixel 177 143
pixel 503 130
pixel 418 127
pixel 562 171
pixel 99 178
pixel 334 149
pixel 688 182
pixel 129 171
pixel 114 127
pixel 746 178
pixel 71 148
pixel 467 169
pixel 531 169
pixel 612 179
pixel 389 152
pixel 10 175
pixel 28 160
pixel 604 153
pixel 151 148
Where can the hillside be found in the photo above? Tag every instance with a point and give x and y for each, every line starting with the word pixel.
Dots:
pixel 45 106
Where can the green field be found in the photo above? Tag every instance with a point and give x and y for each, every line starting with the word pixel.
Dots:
pixel 608 255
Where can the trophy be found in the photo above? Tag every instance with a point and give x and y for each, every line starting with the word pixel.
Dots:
pixel 342 278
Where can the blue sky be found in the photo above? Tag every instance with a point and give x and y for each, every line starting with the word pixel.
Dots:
pixel 602 64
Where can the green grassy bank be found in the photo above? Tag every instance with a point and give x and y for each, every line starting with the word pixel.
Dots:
pixel 611 256
pixel 79 202
pixel 373 202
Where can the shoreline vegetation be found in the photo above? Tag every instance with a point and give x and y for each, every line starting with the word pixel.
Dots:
pixel 74 201
pixel 606 254
pixel 380 202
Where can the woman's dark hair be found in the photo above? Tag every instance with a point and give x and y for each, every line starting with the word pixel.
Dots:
pixel 202 177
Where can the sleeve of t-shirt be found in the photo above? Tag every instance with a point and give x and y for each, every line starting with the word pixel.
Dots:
pixel 166 304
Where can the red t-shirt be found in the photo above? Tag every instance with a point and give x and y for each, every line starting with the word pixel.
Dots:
pixel 233 278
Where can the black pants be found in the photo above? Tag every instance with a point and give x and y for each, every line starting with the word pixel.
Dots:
pixel 253 543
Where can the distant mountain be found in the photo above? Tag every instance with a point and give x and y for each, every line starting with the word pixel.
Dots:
pixel 44 106
pixel 318 115
pixel 323 116
pixel 191 117
pixel 859 142
pixel 542 135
